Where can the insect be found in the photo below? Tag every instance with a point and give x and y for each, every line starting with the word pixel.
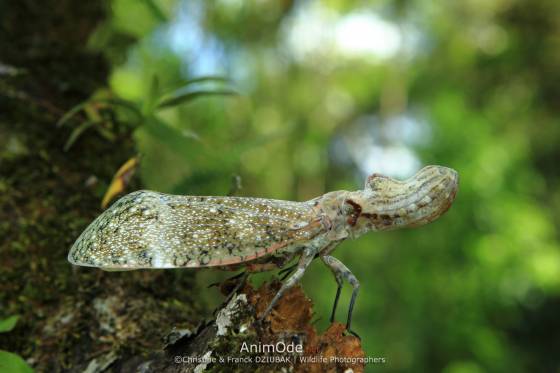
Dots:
pixel 147 229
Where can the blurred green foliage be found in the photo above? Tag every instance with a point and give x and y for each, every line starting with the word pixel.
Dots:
pixel 8 323
pixel 13 363
pixel 10 362
pixel 325 90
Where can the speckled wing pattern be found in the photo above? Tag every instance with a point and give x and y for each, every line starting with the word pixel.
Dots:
pixel 147 229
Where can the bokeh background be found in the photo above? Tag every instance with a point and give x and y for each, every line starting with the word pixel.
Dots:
pixel 299 98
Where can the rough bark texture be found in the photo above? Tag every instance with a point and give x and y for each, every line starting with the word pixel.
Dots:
pixel 81 319
pixel 47 196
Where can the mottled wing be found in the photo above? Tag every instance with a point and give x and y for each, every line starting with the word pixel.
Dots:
pixel 153 230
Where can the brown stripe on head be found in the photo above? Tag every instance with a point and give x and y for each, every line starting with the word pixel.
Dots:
pixel 355 214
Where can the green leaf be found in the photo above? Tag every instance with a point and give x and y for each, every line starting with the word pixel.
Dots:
pixel 70 113
pixel 107 134
pixel 131 106
pixel 8 323
pixel 123 103
pixel 13 363
pixel 153 95
pixel 186 94
pixel 76 134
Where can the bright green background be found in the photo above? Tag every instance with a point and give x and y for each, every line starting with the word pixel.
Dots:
pixel 478 84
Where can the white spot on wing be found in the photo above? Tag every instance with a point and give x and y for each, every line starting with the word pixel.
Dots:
pixel 159 260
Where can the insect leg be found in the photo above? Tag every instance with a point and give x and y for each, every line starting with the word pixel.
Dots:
pixel 285 272
pixel 325 252
pixel 306 258
pixel 340 272
pixel 338 279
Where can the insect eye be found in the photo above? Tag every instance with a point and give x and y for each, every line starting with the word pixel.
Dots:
pixel 347 209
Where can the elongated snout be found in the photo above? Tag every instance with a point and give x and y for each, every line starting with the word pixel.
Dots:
pixel 387 203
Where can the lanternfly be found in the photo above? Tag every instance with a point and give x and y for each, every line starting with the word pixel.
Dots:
pixel 147 229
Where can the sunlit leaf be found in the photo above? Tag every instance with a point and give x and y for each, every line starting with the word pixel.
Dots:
pixel 8 323
pixel 120 180
pixel 13 363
